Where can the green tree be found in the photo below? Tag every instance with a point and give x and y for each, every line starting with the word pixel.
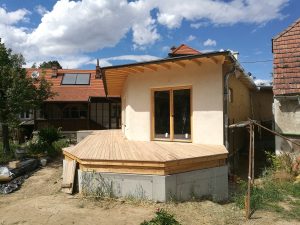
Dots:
pixel 50 64
pixel 18 92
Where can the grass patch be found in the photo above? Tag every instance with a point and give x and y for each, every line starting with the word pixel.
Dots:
pixel 272 193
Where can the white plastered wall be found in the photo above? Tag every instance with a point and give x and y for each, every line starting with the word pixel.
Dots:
pixel 207 100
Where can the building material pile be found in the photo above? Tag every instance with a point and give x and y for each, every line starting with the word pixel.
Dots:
pixel 12 177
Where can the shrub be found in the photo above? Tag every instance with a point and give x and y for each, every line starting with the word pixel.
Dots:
pixel 281 162
pixel 57 147
pixel 162 218
pixel 48 141
pixel 49 135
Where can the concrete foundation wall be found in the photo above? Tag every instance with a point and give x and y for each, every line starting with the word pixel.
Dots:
pixel 183 186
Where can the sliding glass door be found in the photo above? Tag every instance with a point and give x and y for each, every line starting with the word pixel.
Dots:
pixel 172 114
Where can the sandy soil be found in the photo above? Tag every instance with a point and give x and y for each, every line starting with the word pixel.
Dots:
pixel 39 201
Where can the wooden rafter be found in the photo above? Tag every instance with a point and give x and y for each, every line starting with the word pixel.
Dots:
pixel 150 67
pixel 164 65
pixel 130 70
pixel 197 61
pixel 215 60
pixel 139 69
pixel 181 64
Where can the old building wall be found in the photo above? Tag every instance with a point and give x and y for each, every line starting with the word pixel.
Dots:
pixel 240 109
pixel 287 122
pixel 262 101
pixel 286 52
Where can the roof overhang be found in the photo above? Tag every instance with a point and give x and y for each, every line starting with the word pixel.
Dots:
pixel 115 76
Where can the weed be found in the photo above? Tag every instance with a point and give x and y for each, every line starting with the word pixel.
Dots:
pixel 162 218
pixel 96 186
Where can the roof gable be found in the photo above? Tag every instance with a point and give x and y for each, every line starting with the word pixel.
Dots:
pixel 184 50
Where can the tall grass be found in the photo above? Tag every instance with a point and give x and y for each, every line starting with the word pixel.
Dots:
pixel 273 194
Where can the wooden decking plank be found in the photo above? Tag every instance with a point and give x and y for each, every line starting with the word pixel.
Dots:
pixel 69 167
pixel 109 148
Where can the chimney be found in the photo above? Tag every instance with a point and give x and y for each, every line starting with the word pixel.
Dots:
pixel 54 72
pixel 172 48
pixel 98 71
pixel 235 54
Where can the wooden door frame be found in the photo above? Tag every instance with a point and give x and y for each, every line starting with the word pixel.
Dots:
pixel 152 127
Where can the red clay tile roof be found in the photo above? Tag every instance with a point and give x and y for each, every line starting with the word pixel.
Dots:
pixel 75 93
pixel 286 53
pixel 184 50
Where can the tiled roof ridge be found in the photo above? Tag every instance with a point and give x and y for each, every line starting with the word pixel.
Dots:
pixel 287 29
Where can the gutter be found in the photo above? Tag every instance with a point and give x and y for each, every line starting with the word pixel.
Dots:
pixel 239 71
pixel 226 105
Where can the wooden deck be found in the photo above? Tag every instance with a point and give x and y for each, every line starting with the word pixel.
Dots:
pixel 109 151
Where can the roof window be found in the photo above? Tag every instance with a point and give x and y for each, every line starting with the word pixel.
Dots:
pixel 76 79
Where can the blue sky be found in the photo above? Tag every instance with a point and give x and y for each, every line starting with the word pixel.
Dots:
pixel 116 31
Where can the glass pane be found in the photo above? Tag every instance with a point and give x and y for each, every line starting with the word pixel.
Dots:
pixel 105 115
pixel 69 78
pixel 162 114
pixel 99 114
pixel 182 114
pixel 115 114
pixel 83 78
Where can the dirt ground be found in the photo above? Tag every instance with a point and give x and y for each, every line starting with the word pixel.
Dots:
pixel 39 201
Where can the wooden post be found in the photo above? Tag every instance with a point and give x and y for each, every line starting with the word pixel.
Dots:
pixel 247 200
pixel 252 156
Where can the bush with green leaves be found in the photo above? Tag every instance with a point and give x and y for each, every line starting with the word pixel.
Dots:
pixel 162 218
pixel 49 135
pixel 48 141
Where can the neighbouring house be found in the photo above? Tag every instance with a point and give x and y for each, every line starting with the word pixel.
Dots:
pixel 286 87
pixel 174 141
pixel 79 103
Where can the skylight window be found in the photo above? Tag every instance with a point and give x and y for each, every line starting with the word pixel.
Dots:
pixel 76 79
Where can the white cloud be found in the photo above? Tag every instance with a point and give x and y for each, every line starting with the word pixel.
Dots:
pixel 237 11
pixel 191 38
pixel 207 50
pixel 198 25
pixel 144 33
pixel 41 10
pixel 75 28
pixel 136 58
pixel 210 42
pixel 9 18
pixel 261 82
